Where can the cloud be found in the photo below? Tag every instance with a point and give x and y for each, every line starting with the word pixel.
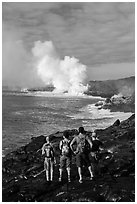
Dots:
pixel 104 71
pixel 17 69
pixel 95 33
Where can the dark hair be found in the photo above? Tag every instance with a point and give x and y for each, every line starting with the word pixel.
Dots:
pixel 81 130
pixel 66 134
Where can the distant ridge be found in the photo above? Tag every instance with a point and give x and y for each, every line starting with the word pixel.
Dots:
pixel 108 88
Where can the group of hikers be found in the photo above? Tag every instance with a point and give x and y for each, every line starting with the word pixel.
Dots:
pixel 83 146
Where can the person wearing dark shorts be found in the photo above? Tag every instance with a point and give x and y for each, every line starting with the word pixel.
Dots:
pixel 65 158
pixel 82 154
pixel 95 152
pixel 82 160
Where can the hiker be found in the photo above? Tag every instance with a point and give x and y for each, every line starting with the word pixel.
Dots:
pixel 82 152
pixel 49 161
pixel 66 155
pixel 95 153
pixel 97 144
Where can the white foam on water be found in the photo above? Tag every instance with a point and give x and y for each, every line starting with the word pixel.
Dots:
pixel 24 112
pixel 54 94
pixel 93 118
pixel 62 95
pixel 92 112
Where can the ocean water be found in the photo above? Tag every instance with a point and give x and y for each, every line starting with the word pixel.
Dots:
pixel 25 115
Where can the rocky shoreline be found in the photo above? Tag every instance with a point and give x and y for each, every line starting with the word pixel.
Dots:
pixel 118 103
pixel 115 184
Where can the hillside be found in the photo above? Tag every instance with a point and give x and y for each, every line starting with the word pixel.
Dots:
pixel 109 88
pixel 115 184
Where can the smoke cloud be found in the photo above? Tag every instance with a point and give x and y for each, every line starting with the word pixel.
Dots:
pixel 67 75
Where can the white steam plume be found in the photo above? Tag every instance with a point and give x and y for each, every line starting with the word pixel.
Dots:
pixel 66 75
pixel 22 70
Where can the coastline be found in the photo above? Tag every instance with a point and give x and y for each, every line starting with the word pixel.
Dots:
pixel 86 114
pixel 50 94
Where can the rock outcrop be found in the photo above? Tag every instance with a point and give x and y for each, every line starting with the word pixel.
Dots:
pixel 116 182
pixel 118 103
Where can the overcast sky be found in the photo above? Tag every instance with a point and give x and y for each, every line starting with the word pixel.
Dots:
pixel 100 35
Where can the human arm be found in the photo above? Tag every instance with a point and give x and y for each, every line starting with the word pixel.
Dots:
pixel 60 145
pixel 43 149
pixel 52 150
pixel 71 145
pixel 90 142
pixel 53 154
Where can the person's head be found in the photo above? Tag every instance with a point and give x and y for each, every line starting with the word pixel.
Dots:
pixel 81 130
pixel 66 134
pixel 47 139
pixel 94 135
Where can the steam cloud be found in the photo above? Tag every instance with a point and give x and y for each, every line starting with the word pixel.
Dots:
pixel 65 75
pixel 24 69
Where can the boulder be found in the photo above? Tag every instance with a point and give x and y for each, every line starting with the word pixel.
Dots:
pixel 116 123
pixel 99 103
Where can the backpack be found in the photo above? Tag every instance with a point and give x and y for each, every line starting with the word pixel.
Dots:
pixel 96 145
pixel 82 144
pixel 48 151
pixel 65 150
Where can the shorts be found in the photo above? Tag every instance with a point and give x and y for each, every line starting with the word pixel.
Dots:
pixel 82 159
pixel 48 163
pixel 94 157
pixel 65 162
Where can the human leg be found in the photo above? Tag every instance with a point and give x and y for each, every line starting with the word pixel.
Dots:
pixel 62 164
pixel 79 165
pixel 68 172
pixel 87 162
pixel 47 175
pixel 80 174
pixel 93 168
pixel 90 171
pixel 51 170
pixel 46 167
pixel 95 164
pixel 60 174
pixel 68 167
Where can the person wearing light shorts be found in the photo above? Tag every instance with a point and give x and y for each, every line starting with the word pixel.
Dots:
pixel 49 161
